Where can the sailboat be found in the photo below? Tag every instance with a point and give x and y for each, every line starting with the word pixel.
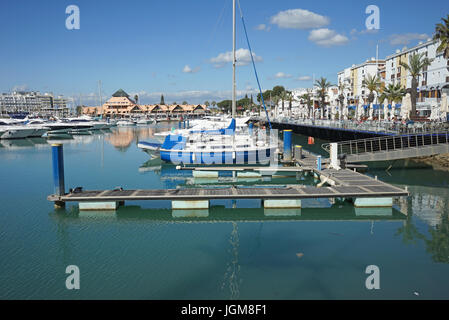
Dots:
pixel 219 146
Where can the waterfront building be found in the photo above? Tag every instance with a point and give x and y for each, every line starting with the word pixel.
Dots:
pixel 353 79
pixel 432 83
pixel 121 106
pixel 33 103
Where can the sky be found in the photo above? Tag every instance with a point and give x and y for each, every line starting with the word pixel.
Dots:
pixel 182 49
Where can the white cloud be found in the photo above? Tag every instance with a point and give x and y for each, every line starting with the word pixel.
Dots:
pixel 304 78
pixel 404 39
pixel 193 96
pixel 263 27
pixel 327 38
pixel 299 19
pixel 187 69
pixel 243 58
pixel 21 87
pixel 282 75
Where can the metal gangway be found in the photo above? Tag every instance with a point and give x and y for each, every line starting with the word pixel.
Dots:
pixel 387 148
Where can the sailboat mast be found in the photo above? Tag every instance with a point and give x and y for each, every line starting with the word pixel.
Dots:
pixel 99 91
pixel 233 60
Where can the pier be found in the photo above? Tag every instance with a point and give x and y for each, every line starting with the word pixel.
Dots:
pixel 343 184
pixel 344 130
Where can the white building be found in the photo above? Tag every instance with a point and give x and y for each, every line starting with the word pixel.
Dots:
pixel 353 79
pixel 33 103
pixel 432 83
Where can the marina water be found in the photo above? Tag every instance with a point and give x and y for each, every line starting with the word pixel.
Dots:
pixel 234 250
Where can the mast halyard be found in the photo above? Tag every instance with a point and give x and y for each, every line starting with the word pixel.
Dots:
pixel 233 61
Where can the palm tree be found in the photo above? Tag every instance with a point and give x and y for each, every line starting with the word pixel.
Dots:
pixel 136 98
pixel 213 103
pixel 290 98
pixel 417 63
pixel 372 83
pixel 206 103
pixel 283 96
pixel 323 85
pixel 307 99
pixel 442 34
pixel 393 93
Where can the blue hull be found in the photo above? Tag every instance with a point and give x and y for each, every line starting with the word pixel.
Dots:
pixel 263 156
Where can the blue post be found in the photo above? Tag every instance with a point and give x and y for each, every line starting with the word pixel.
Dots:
pixel 318 163
pixel 287 145
pixel 58 172
pixel 184 124
pixel 250 128
pixel 179 125
pixel 188 123
pixel 58 168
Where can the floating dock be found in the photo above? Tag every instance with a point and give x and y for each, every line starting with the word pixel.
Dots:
pixel 344 184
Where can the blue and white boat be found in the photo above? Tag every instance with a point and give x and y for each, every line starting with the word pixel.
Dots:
pixel 215 147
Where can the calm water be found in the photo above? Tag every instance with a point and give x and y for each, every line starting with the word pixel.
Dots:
pixel 147 251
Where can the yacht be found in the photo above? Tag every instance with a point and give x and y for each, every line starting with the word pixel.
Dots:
pixel 125 123
pixel 222 146
pixel 13 131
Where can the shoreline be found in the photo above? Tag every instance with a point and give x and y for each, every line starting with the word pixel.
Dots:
pixel 440 161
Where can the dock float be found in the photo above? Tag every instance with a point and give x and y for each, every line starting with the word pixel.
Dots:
pixel 343 183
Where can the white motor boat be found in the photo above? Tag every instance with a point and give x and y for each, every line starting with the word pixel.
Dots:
pixel 144 121
pixel 125 123
pixel 14 131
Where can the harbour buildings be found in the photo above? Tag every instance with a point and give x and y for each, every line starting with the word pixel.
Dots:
pixel 121 105
pixel 353 78
pixel 33 102
pixel 432 83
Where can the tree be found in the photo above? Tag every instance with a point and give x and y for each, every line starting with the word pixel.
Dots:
pixel 79 110
pixel 307 99
pixel 372 83
pixel 323 85
pixel 136 98
pixel 174 102
pixel 184 102
pixel 266 96
pixel 442 34
pixel 206 103
pixel 277 90
pixel 162 100
pixel 393 93
pixel 213 103
pixel 225 105
pixel 417 63
pixel 290 98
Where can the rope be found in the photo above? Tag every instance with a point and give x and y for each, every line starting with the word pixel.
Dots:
pixel 254 65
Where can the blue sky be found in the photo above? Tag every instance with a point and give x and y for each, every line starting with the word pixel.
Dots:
pixel 178 47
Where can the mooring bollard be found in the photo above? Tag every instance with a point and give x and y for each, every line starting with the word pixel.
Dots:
pixel 318 163
pixel 298 153
pixel 58 172
pixel 179 125
pixel 287 145
pixel 184 124
pixel 250 128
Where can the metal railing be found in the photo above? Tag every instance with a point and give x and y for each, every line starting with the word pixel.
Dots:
pixel 389 127
pixel 389 143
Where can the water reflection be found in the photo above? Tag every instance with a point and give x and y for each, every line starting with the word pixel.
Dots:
pixel 222 214
pixel 430 205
